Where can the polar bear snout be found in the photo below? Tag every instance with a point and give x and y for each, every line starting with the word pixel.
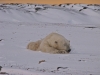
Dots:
pixel 69 50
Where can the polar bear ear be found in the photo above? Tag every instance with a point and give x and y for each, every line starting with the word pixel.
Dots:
pixel 56 42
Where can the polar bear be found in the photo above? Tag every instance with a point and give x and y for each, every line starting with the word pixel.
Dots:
pixel 53 43
pixel 34 45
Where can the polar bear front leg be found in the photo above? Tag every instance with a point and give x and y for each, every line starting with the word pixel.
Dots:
pixel 55 51
pixel 63 52
pixel 49 49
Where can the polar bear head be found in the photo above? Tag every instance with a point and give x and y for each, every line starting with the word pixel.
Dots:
pixel 59 42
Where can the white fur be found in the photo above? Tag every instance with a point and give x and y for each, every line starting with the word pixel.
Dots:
pixel 53 43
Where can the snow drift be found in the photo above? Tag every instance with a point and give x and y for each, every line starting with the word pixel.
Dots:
pixel 63 13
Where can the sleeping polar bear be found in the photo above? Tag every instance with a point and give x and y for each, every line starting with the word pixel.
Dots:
pixel 53 43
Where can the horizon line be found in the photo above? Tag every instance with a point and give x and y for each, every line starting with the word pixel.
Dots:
pixel 51 2
pixel 45 3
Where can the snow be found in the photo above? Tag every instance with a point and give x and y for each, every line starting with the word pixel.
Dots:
pixel 17 29
pixel 19 72
pixel 70 14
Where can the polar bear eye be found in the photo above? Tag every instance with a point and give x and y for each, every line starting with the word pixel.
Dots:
pixel 56 42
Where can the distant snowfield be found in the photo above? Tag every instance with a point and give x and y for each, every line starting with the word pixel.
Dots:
pixel 70 14
pixel 17 29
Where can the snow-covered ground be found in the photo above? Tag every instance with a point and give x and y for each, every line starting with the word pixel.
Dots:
pixel 70 14
pixel 20 24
